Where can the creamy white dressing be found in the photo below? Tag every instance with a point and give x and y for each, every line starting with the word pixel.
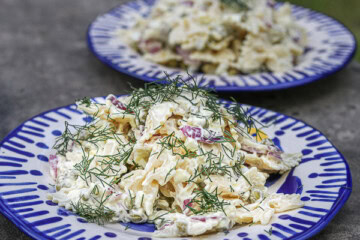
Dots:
pixel 145 169
pixel 218 37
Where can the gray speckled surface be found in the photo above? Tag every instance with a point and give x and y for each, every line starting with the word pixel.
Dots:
pixel 44 63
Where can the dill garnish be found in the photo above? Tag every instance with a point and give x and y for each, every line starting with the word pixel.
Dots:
pixel 75 134
pixel 109 170
pixel 239 5
pixel 206 202
pixel 131 200
pixel 99 213
pixel 85 101
pixel 168 174
pixel 163 221
pixel 269 231
pixel 212 166
pixel 174 89
pixel 176 145
pixel 127 226
pixel 244 207
pixel 142 199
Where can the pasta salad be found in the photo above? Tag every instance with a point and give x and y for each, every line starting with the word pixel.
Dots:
pixel 170 155
pixel 218 36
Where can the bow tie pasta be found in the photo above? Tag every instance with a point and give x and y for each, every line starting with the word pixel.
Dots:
pixel 219 36
pixel 170 155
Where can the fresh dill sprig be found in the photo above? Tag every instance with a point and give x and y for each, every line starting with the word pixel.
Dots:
pixel 269 231
pixel 76 134
pixel 99 213
pixel 107 171
pixel 206 202
pixel 163 221
pixel 176 88
pixel 169 172
pixel 176 145
pixel 132 204
pixel 212 166
pixel 238 172
pixel 239 5
pixel 142 199
pixel 244 207
pixel 127 226
pixel 85 101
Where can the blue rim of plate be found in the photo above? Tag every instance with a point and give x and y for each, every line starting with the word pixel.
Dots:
pixel 344 191
pixel 293 78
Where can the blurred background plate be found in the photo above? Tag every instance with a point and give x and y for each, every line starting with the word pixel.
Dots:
pixel 330 47
pixel 323 179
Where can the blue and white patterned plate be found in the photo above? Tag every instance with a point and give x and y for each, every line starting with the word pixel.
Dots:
pixel 330 47
pixel 323 179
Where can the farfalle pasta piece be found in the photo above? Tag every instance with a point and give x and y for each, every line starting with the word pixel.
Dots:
pixel 219 37
pixel 170 155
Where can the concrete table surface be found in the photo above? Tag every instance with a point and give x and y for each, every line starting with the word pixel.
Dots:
pixel 45 63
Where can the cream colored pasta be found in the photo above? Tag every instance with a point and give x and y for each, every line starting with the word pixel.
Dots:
pixel 219 36
pixel 169 155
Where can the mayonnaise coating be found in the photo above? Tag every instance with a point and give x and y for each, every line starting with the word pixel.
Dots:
pixel 218 36
pixel 172 156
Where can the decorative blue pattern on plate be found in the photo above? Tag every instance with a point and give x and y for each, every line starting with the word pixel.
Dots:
pixel 323 179
pixel 330 47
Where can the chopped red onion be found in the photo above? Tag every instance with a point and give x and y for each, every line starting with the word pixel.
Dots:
pixel 268 24
pixel 271 150
pixel 109 191
pixel 117 103
pixel 150 46
pixel 275 154
pixel 187 202
pixel 271 3
pixel 296 39
pixel 201 135
pixel 53 161
pixel 166 225
pixel 185 54
pixel 252 149
pixel 202 219
pixel 188 3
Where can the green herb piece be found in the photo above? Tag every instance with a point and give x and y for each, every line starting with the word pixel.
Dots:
pixel 239 5
pixel 85 101
pixel 99 213
pixel 269 231
pixel 206 202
